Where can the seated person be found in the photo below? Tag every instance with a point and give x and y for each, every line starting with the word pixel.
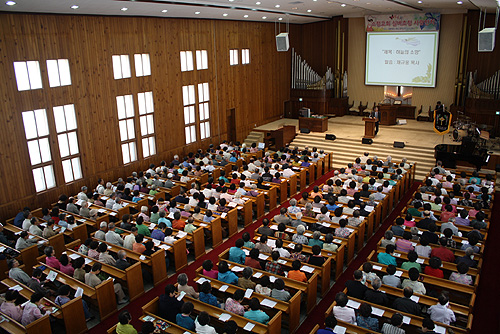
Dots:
pixel 225 275
pixel 201 324
pixel 355 288
pixel 365 320
pixel 434 268
pixel 236 254
pixel 387 258
pixel 391 279
pixel 316 259
pixel 404 244
pixel 279 292
pixel 328 245
pixel 411 263
pixel 124 326
pixel 405 304
pixel 206 295
pixel 368 275
pixel 388 235
pixel 441 312
pixel 341 311
pixel 11 305
pixel 330 323
pixel 461 276
pixel 273 266
pixel 245 281
pixel 233 304
pixel 182 281
pixel 375 296
pixel 208 269
pixel 33 309
pixel 183 318
pixel 413 281
pixel 264 286
pixel 255 313
pixel 394 327
pixel 295 273
pixel 92 280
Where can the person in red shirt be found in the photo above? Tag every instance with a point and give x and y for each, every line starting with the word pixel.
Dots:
pixel 178 223
pixel 442 252
pixel 253 259
pixel 433 269
pixel 296 274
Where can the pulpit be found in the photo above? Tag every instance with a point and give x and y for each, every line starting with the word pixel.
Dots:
pixel 388 114
pixel 369 127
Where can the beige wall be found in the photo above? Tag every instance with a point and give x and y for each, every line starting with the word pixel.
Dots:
pixel 449 37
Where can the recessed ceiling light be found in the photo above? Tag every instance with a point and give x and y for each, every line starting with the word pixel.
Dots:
pixel 277 6
pixel 10 3
pixel 309 10
pixel 258 3
pixel 225 14
pixel 280 18
pixel 294 7
pixel 75 7
pixel 264 17
pixel 419 1
pixel 459 2
pixel 124 9
pixel 197 13
pixel 343 5
pixel 245 16
pixel 231 0
pixel 164 11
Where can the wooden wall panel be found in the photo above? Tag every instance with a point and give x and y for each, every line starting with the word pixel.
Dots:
pixel 257 90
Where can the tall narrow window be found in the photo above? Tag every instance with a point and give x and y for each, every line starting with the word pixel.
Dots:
pixel 125 106
pixel 233 57
pixel 189 115
pixel 58 71
pixel 245 56
pixel 27 75
pixel 67 139
pixel 146 120
pixel 203 100
pixel 201 59
pixel 187 61
pixel 142 65
pixel 121 66
pixel 36 129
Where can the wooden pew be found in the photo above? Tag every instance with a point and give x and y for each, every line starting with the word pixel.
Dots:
pixel 39 326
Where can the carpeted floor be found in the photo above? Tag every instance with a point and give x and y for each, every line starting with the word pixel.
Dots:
pixel 486 318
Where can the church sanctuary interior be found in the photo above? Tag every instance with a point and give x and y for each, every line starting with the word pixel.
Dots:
pixel 244 166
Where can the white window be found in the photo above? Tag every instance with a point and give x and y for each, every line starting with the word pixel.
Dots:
pixel 189 101
pixel 28 75
pixel 187 61
pixel 58 71
pixel 142 65
pixel 201 60
pixel 203 107
pixel 233 57
pixel 245 56
pixel 125 107
pixel 36 129
pixel 67 139
pixel 146 120
pixel 121 66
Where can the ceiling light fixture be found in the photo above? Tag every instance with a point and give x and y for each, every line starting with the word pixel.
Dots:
pixel 343 5
pixel 280 18
pixel 419 1
pixel 459 2
pixel 164 11
pixel 277 6
pixel 225 14
pixel 309 10
pixel 124 9
pixel 197 13
pixel 75 7
pixel 258 3
pixel 264 17
pixel 245 16
pixel 10 3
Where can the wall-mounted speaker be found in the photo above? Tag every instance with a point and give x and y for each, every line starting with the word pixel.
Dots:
pixel 330 137
pixel 304 130
pixel 282 43
pixel 486 40
pixel 368 141
pixel 399 144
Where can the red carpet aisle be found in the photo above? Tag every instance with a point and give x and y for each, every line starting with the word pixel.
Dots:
pixel 135 308
pixel 317 316
pixel 486 310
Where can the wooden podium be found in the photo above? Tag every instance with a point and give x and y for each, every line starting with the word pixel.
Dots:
pixel 369 127
pixel 388 114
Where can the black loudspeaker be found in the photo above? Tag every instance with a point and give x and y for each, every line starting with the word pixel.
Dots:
pixel 399 144
pixel 368 141
pixel 304 130
pixel 330 137
pixel 497 168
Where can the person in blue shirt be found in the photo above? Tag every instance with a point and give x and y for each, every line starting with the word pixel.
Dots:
pixel 18 220
pixel 236 254
pixel 387 258
pixel 223 176
pixel 206 295
pixel 233 158
pixel 365 320
pixel 184 319
pixel 62 221
pixel 255 313
pixel 164 220
pixel 330 323
pixel 331 204
pixel 158 233
pixel 225 275
pixel 136 198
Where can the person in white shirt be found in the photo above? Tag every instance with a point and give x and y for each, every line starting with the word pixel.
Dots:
pixel 113 237
pixel 201 324
pixel 118 204
pixel 83 194
pixel 129 240
pixel 100 187
pixel 111 201
pixel 279 248
pixel 27 220
pixel 341 311
pixel 34 229
pixel 288 172
pixel 441 312
pixel 207 191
